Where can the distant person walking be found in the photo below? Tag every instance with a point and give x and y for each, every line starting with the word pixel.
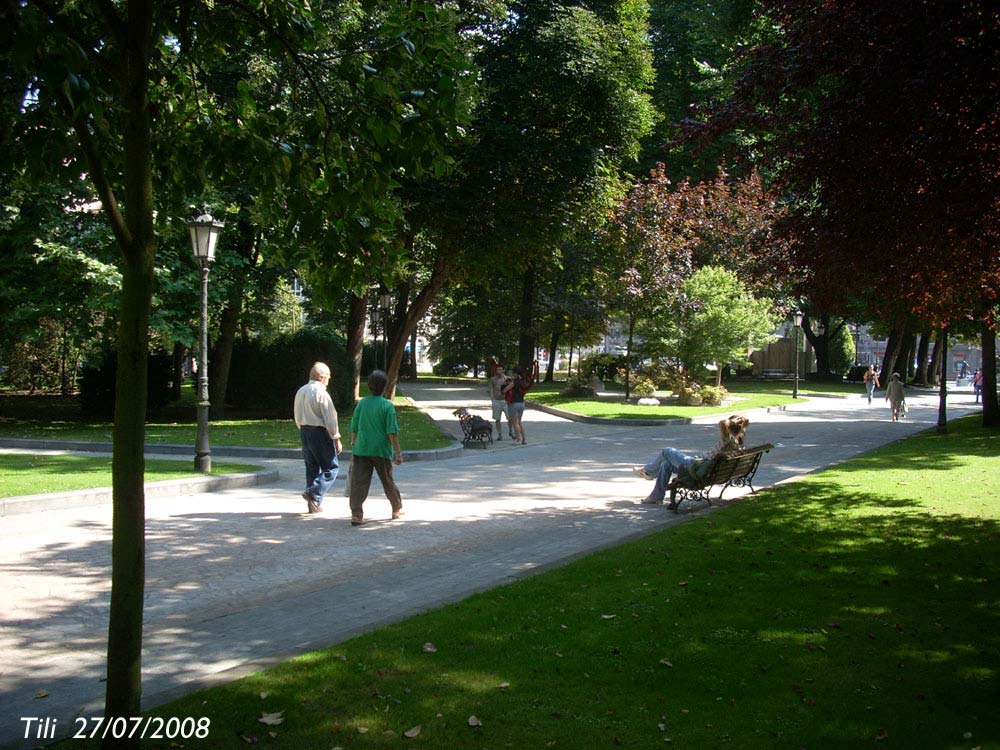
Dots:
pixel 896 397
pixel 316 418
pixel 977 384
pixel 871 382
pixel 497 399
pixel 375 441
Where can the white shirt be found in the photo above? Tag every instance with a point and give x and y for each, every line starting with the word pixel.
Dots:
pixel 314 408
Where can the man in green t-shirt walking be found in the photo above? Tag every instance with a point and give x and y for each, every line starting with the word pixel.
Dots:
pixel 374 435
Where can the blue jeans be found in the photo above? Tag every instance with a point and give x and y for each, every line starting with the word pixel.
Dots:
pixel 320 455
pixel 663 467
pixel 977 389
pixel 870 387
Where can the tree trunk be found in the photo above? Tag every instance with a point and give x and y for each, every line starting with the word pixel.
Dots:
pixel 356 313
pixel 991 413
pixel 137 241
pixel 935 366
pixel 526 338
pixel 413 354
pixel 892 347
pixel 222 353
pixel 922 359
pixel 64 388
pixel 178 370
pixel 553 346
pixel 942 423
pixel 405 319
pixel 628 356
pixel 905 359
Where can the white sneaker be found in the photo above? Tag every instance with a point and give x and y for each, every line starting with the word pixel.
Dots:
pixel 641 472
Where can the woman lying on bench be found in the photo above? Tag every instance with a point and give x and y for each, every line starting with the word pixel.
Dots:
pixel 672 461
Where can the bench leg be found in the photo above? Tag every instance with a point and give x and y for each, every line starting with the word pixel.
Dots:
pixel 673 505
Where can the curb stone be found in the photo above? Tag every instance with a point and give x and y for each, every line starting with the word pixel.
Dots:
pixel 102 495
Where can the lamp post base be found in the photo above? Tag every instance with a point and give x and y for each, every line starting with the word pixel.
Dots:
pixel 202 452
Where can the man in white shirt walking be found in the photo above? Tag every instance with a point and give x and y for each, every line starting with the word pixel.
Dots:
pixel 316 418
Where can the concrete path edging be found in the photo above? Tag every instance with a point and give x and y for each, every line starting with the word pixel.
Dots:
pixel 166 488
pixel 236 451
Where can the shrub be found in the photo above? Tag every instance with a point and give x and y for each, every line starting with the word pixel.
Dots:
pixel 712 395
pixel 578 387
pixel 97 383
pixel 450 367
pixel 841 351
pixel 608 367
pixel 266 376
pixel 644 387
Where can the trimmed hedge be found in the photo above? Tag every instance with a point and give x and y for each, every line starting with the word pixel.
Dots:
pixel 97 384
pixel 266 376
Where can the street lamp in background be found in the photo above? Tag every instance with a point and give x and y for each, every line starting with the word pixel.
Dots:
pixel 204 235
pixel 797 322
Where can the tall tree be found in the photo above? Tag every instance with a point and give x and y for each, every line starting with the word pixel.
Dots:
pixel 651 253
pixel 118 91
pixel 882 121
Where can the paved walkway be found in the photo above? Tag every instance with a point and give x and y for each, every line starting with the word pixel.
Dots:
pixel 241 578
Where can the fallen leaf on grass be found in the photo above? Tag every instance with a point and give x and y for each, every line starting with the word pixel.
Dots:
pixel 503 685
pixel 474 722
pixel 666 663
pixel 430 648
pixel 272 719
pixel 362 730
pixel 249 739
pixel 41 694
pixel 263 696
pixel 882 736
pixel 608 617
pixel 411 733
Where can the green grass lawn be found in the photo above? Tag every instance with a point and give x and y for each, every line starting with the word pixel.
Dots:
pixel 58 419
pixel 23 474
pixel 859 607
pixel 745 395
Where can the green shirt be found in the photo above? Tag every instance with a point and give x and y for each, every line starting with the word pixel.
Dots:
pixel 374 419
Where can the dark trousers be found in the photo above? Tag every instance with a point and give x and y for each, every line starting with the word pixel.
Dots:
pixel 320 456
pixel 361 480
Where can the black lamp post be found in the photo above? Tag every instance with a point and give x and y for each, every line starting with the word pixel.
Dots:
pixel 856 333
pixel 797 321
pixel 204 236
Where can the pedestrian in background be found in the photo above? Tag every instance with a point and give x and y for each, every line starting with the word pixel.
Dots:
pixel 316 418
pixel 896 396
pixel 871 382
pixel 977 384
pixel 515 391
pixel 497 399
pixel 375 444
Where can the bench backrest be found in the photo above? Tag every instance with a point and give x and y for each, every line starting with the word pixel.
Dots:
pixel 737 465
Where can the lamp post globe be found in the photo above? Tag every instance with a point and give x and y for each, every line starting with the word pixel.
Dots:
pixel 204 232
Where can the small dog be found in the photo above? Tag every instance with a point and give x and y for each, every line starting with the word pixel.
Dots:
pixel 474 427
